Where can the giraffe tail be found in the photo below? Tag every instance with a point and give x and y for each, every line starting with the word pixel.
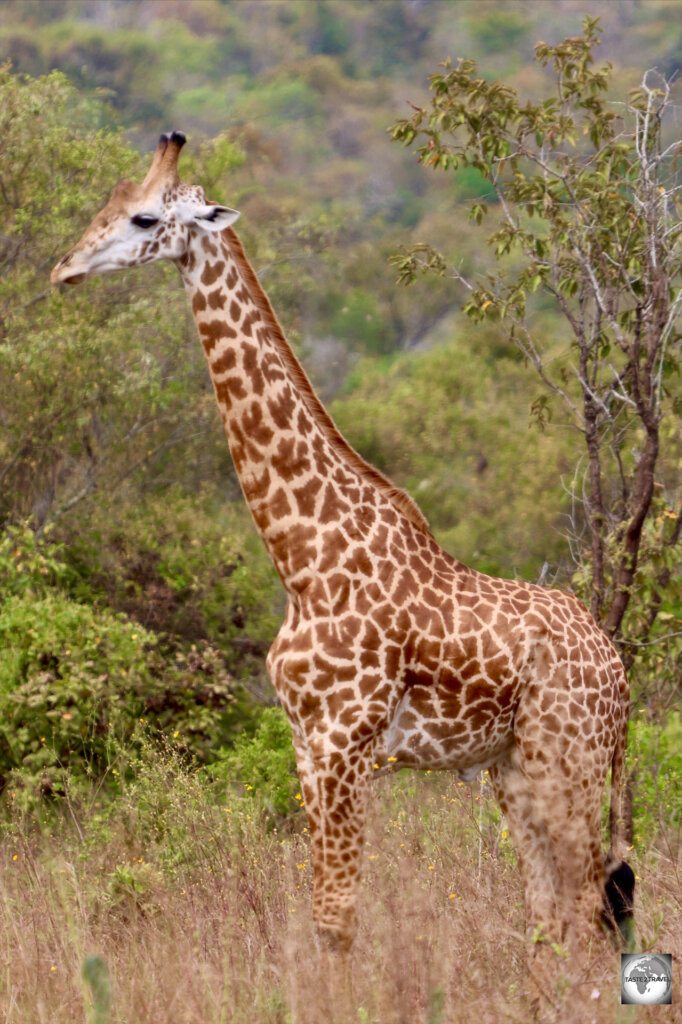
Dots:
pixel 619 889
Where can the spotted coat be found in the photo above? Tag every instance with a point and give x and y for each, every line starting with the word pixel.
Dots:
pixel 392 653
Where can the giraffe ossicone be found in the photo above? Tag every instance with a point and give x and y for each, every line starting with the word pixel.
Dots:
pixel 392 653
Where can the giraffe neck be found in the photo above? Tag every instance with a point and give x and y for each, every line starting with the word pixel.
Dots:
pixel 297 472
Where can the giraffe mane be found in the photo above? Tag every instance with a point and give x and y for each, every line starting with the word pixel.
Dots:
pixel 401 500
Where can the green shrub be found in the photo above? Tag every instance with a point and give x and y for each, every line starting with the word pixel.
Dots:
pixel 281 99
pixel 76 682
pixel 70 681
pixel 28 565
pixel 263 766
pixel 184 567
pixel 501 34
pixel 359 320
pixel 655 762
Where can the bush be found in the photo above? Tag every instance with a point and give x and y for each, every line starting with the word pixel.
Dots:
pixel 76 682
pixel 70 681
pixel 359 320
pixel 655 761
pixel 184 567
pixel 281 99
pixel 263 766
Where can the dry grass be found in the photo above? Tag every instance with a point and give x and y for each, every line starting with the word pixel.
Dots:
pixel 203 917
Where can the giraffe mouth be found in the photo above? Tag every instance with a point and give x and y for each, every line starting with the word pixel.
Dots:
pixel 62 275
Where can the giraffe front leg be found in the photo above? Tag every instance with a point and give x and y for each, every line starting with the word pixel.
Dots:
pixel 336 790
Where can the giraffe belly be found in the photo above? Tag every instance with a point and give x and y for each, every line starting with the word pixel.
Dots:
pixel 425 732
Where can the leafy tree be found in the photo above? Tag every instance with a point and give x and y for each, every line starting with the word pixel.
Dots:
pixel 451 425
pixel 588 197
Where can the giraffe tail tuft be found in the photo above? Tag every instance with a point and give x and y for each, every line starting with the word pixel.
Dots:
pixel 619 888
pixel 619 907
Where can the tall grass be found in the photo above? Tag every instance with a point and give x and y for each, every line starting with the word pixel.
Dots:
pixel 200 913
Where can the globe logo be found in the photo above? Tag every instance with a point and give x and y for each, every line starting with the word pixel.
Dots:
pixel 646 979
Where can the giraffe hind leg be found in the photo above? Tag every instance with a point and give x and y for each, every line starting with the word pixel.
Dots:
pixel 554 815
pixel 531 843
pixel 560 873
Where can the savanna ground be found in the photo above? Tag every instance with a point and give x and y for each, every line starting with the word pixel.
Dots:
pixel 201 911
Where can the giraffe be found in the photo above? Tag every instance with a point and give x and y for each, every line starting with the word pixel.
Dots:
pixel 392 653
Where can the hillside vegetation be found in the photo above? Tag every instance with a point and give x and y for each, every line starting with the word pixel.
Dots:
pixel 150 808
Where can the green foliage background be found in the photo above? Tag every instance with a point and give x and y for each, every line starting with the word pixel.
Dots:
pixel 133 585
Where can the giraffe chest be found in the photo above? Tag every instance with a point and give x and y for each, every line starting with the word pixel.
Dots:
pixel 378 656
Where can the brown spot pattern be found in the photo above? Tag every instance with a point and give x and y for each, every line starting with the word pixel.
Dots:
pixel 392 652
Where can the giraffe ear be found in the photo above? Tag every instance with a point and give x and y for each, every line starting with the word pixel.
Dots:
pixel 214 217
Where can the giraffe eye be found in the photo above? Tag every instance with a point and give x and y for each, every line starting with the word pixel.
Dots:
pixel 144 220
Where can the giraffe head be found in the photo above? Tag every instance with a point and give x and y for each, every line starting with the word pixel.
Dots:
pixel 144 223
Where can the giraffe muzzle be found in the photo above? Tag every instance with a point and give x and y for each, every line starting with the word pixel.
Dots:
pixel 65 273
